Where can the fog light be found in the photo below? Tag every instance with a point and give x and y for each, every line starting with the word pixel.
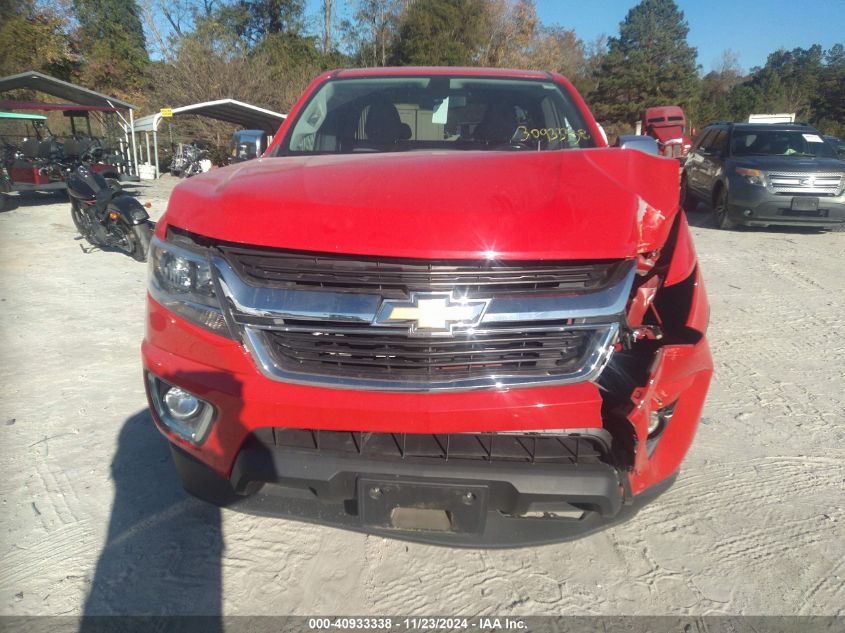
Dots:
pixel 747 213
pixel 180 404
pixel 183 413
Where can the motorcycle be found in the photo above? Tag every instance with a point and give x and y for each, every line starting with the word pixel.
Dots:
pixel 189 161
pixel 107 216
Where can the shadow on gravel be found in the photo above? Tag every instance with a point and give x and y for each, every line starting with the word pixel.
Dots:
pixel 22 199
pixel 163 549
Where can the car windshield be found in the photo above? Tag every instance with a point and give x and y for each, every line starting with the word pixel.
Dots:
pixel 780 143
pixel 387 114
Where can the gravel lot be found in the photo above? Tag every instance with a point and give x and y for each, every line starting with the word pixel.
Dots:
pixel 95 521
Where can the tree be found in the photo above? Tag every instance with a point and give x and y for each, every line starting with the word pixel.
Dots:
pixel 556 49
pixel 373 29
pixel 439 33
pixel 649 64
pixel 829 100
pixel 714 102
pixel 594 56
pixel 113 45
pixel 36 37
pixel 254 20
pixel 509 30
pixel 788 81
pixel 809 82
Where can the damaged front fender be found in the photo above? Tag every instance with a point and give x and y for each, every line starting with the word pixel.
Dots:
pixel 679 378
pixel 656 383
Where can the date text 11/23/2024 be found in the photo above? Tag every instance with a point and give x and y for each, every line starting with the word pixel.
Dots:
pixel 416 624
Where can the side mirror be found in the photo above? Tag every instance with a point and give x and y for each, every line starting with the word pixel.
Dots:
pixel 643 143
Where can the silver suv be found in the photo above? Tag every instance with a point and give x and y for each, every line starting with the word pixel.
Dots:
pixel 762 174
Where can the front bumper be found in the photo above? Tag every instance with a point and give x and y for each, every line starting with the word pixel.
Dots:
pixel 326 488
pixel 468 505
pixel 753 205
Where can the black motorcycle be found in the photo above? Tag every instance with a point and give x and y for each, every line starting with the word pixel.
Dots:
pixel 107 216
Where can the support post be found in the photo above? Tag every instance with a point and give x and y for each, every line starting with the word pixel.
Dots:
pixel 134 147
pixel 155 149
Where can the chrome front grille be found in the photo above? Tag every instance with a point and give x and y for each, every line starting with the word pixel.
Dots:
pixel 819 184
pixel 335 349
pixel 549 323
pixel 397 278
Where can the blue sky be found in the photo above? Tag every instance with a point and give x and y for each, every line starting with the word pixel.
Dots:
pixel 752 29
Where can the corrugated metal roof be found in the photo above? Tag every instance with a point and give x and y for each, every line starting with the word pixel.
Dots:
pixel 34 80
pixel 230 110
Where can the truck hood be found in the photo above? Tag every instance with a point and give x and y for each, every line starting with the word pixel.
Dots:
pixel 577 204
pixel 668 132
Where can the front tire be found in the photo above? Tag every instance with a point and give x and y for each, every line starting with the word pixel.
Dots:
pixel 720 211
pixel 132 240
pixel 82 222
pixel 144 234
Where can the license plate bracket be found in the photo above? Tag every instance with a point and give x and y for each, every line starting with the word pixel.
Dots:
pixel 803 203
pixel 413 505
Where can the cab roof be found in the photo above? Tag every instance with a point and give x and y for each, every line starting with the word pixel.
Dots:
pixel 451 71
pixel 780 127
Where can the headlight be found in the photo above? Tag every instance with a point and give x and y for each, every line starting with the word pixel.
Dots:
pixel 180 280
pixel 753 176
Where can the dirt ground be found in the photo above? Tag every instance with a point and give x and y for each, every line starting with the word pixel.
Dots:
pixel 94 520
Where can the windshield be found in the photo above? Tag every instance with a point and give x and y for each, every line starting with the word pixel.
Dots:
pixel 387 114
pixel 779 143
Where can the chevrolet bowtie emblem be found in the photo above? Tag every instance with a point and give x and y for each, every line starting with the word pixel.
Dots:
pixel 432 313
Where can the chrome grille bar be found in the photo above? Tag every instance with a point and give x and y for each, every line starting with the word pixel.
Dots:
pixel 587 367
pixel 339 339
pixel 276 305
pixel 805 183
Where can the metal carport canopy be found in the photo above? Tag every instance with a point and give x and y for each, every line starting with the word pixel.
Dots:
pixel 230 110
pixel 247 115
pixel 34 80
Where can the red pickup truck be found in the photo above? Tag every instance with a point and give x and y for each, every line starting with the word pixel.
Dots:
pixel 439 307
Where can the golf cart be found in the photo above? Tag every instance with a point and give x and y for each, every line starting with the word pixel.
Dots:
pixel 35 159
